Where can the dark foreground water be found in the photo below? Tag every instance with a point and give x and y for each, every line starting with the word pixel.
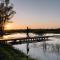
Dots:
pixel 48 50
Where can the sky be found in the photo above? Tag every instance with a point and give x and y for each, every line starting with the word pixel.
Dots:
pixel 36 13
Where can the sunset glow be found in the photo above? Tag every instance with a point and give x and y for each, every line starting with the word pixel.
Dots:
pixel 10 26
pixel 37 13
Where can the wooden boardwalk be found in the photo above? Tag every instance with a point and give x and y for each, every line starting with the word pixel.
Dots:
pixel 14 41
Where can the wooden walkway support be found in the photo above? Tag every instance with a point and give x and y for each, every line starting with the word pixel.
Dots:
pixel 14 41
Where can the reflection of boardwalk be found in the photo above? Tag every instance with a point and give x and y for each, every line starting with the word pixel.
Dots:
pixel 25 40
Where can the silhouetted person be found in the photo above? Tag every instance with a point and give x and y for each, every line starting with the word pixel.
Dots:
pixel 27 32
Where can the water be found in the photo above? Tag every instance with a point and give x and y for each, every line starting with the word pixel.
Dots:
pixel 48 50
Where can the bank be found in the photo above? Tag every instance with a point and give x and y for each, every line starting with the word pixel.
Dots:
pixel 7 52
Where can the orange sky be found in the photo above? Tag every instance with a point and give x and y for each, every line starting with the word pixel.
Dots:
pixel 33 25
pixel 14 26
pixel 35 14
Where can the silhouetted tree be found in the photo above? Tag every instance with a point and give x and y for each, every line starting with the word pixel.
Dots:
pixel 6 13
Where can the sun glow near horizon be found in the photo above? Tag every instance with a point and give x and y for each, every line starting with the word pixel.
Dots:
pixel 10 26
pixel 7 26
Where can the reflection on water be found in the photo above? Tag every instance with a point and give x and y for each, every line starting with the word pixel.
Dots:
pixel 18 35
pixel 41 51
pixel 47 50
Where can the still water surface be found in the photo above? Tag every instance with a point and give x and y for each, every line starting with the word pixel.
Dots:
pixel 48 50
